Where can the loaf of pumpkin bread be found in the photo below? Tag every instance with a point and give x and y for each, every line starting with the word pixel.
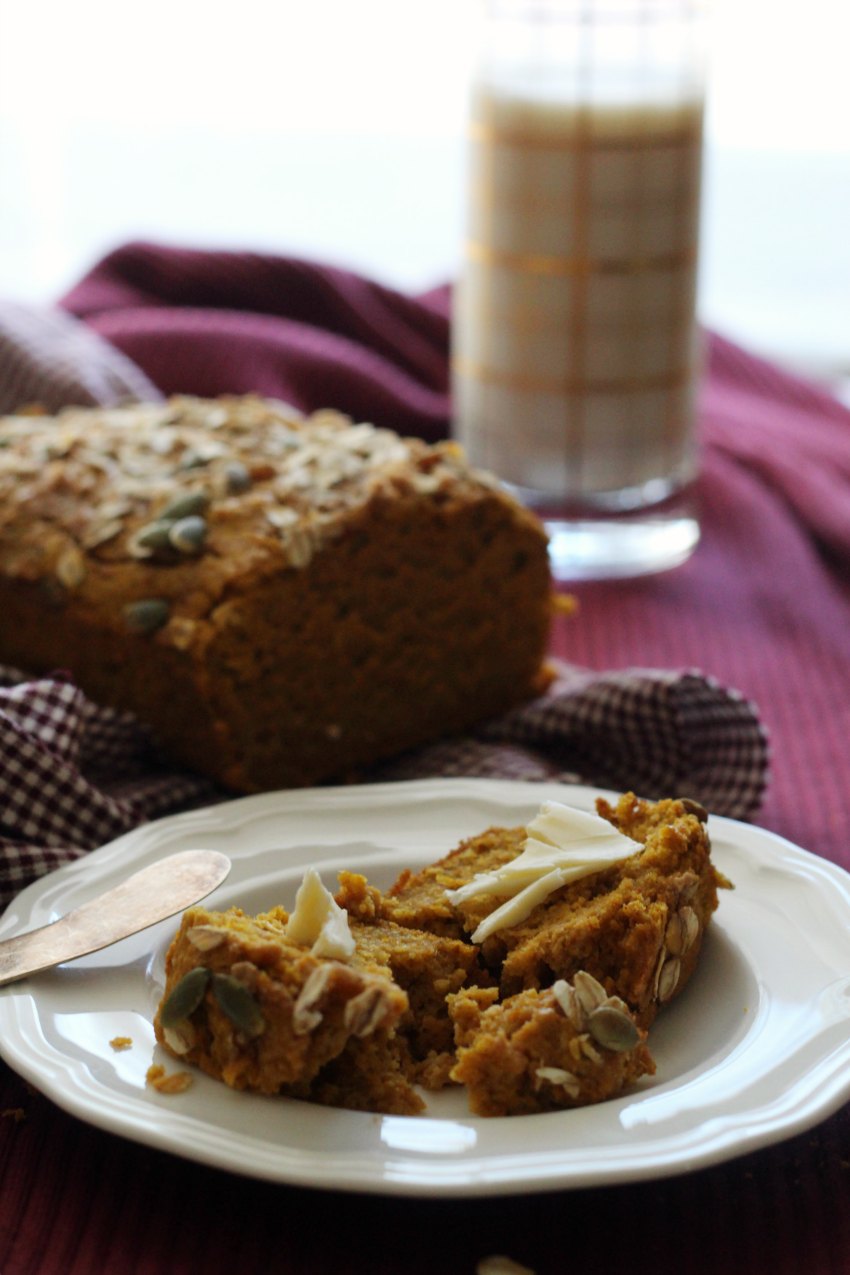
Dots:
pixel 283 600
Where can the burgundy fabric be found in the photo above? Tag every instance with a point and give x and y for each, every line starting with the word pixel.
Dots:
pixel 310 334
pixel 762 606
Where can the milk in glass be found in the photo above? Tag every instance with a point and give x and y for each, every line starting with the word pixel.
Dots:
pixel 575 340
pixel 575 352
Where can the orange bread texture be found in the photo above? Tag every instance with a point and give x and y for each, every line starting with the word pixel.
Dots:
pixel 428 968
pixel 283 600
pixel 251 1008
pixel 636 927
pixel 567 1046
pixel 549 1013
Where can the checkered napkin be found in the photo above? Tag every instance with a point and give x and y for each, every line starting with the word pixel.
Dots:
pixel 74 775
pixel 51 359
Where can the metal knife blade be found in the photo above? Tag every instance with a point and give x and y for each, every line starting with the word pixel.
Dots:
pixel 151 895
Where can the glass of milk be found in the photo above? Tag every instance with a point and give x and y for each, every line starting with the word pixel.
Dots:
pixel 575 344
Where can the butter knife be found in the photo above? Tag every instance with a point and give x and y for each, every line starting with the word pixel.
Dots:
pixel 153 894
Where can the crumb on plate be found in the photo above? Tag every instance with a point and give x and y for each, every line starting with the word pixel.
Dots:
pixel 168 1083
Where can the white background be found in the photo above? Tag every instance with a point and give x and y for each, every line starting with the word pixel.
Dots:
pixel 334 129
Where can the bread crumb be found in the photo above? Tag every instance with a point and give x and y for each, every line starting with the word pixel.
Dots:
pixel 158 1079
pixel 121 1042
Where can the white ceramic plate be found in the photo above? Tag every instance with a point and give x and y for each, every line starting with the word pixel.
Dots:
pixel 757 1048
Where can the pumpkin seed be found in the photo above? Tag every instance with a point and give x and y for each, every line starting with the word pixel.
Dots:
pixel 674 938
pixel 186 504
pixel 613 1029
pixel 589 991
pixel 238 1004
pixel 668 979
pixel 569 1002
pixel 682 931
pixel 237 478
pixel 153 535
pixel 185 997
pixel 147 615
pixel 693 807
pixel 690 927
pixel 187 535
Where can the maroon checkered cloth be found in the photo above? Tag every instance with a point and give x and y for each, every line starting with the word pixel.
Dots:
pixel 49 360
pixel 74 775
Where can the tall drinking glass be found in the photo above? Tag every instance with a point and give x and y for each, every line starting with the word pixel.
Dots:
pixel 575 341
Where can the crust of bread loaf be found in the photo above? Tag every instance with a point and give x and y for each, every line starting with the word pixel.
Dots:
pixel 362 596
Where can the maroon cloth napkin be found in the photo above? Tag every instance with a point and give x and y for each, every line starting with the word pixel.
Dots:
pixel 226 322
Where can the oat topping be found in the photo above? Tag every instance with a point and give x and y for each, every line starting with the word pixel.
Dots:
pixel 587 1005
pixel 305 1015
pixel 558 1076
pixel 206 937
pixel 214 485
pixel 369 1008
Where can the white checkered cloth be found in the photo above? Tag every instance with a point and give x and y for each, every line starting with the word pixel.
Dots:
pixel 50 359
pixel 74 775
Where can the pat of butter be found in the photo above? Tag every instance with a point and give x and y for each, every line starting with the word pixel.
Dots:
pixel 318 922
pixel 563 845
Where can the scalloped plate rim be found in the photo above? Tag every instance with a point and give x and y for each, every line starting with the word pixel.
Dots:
pixel 355 1151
